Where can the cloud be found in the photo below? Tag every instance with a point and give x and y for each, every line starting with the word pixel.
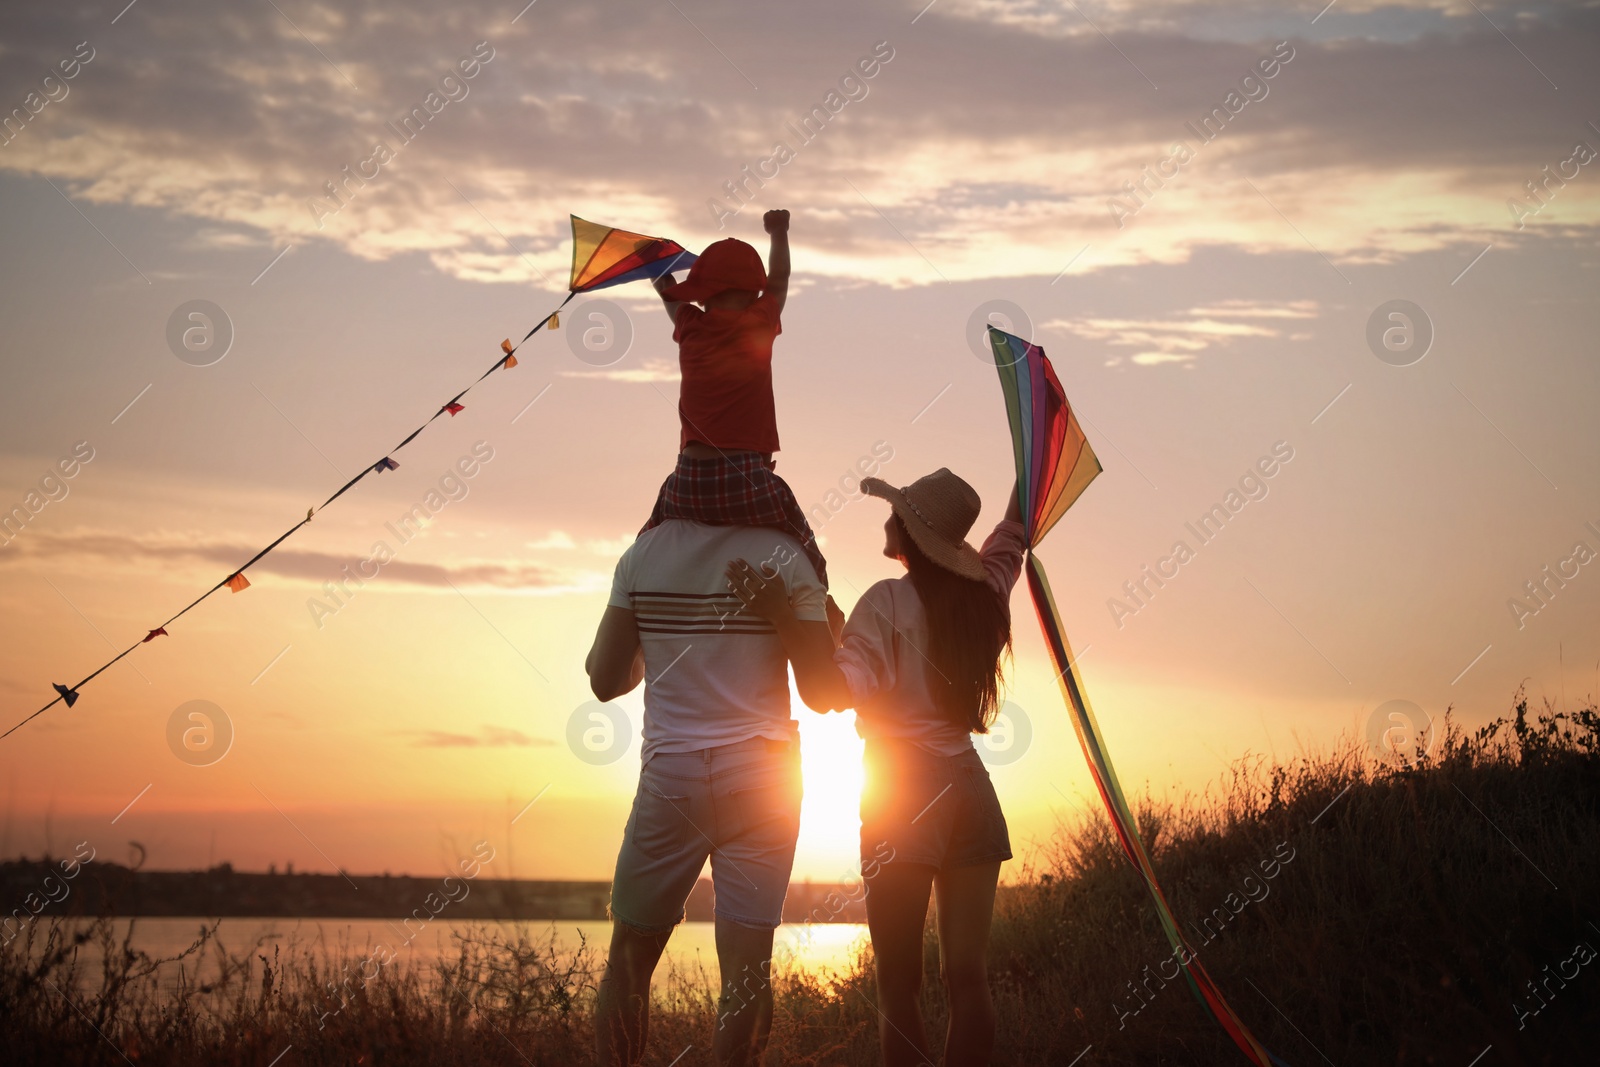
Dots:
pixel 1401 19
pixel 651 370
pixel 1151 359
pixel 306 566
pixel 938 170
pixel 1180 340
pixel 1257 309
pixel 487 737
pixel 554 539
pixel 609 547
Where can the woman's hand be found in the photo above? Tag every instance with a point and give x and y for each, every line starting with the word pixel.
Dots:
pixel 836 620
pixel 761 596
pixel 809 645
pixel 1014 506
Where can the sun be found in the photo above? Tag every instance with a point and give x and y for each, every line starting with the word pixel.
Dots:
pixel 830 819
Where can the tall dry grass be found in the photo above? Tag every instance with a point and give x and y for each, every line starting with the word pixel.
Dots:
pixel 1378 915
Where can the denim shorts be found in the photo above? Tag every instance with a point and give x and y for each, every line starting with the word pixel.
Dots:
pixel 739 806
pixel 918 807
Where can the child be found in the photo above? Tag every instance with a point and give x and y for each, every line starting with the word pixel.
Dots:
pixel 729 428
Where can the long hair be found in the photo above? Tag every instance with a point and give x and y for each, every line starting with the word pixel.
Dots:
pixel 969 627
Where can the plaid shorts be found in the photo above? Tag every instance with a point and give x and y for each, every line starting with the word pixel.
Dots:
pixel 736 489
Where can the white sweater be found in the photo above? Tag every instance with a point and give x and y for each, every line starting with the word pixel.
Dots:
pixel 882 653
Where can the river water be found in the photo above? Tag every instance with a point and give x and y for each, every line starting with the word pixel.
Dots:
pixel 820 948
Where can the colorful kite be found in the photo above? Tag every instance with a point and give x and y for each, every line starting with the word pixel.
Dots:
pixel 1054 466
pixel 602 256
pixel 1054 461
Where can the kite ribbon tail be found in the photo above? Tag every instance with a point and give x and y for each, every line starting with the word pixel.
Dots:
pixel 30 718
pixel 540 325
pixel 281 539
pixel 136 644
pixel 345 487
pixel 1122 820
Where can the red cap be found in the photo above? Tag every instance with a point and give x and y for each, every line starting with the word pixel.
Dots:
pixel 725 264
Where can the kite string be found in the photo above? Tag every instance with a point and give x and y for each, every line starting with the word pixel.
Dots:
pixel 381 463
pixel 498 364
pixel 605 278
pixel 1122 819
pixel 1041 419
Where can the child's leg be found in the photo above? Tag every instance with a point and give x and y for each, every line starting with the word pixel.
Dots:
pixel 662 510
pixel 795 524
pixel 736 489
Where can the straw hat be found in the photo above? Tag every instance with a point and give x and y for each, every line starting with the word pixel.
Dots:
pixel 937 509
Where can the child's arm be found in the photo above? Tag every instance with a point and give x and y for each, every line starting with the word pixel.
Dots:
pixel 664 282
pixel 777 224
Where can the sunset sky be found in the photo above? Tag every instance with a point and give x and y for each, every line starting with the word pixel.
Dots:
pixel 1219 312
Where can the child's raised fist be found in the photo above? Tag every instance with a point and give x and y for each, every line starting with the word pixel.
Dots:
pixel 776 221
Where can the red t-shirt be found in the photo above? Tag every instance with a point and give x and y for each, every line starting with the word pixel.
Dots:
pixel 725 356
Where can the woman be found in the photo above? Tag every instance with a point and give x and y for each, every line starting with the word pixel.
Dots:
pixel 919 660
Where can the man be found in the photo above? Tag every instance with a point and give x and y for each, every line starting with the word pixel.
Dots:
pixel 720 769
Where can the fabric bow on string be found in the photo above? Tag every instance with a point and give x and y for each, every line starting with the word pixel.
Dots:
pixel 1054 465
pixel 602 256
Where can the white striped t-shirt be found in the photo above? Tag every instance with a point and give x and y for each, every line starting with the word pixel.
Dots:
pixel 714 673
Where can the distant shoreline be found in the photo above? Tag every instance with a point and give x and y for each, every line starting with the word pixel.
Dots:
pixel 222 892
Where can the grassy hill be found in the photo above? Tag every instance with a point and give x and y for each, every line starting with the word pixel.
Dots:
pixel 1353 912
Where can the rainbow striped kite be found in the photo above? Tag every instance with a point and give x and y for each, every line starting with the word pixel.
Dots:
pixel 603 256
pixel 1054 466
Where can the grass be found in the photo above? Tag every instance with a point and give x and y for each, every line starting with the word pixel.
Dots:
pixel 1355 913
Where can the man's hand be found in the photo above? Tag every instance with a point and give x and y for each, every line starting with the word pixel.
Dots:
pixel 776 221
pixel 765 597
pixel 662 282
